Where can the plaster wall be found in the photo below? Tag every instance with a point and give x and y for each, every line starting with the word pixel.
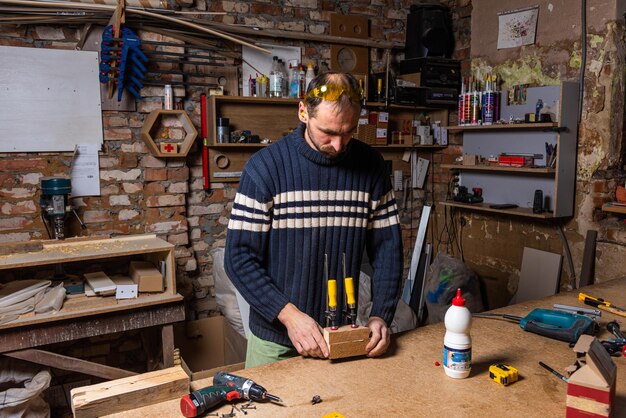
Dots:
pixel 494 246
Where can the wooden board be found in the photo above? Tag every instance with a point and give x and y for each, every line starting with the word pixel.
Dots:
pixel 50 99
pixel 129 392
pixel 407 383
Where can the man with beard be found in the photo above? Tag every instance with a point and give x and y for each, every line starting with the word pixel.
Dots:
pixel 315 194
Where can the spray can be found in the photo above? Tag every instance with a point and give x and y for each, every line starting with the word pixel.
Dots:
pixel 168 99
pixel 457 343
pixel 474 108
pixel 488 107
pixel 461 107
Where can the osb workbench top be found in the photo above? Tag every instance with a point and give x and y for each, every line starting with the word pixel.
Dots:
pixel 407 383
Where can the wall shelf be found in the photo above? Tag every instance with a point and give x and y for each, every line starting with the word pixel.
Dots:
pixel 152 126
pixel 506 126
pixel 529 170
pixel 484 207
pixel 272 118
pixel 614 208
pixel 517 185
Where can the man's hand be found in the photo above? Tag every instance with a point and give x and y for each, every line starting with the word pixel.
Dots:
pixel 379 342
pixel 304 332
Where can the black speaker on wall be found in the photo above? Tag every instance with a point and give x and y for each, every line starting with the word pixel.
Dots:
pixel 428 32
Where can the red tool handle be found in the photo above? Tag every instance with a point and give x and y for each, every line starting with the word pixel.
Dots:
pixel 205 150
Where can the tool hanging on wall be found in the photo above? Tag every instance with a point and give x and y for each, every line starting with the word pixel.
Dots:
pixel 127 66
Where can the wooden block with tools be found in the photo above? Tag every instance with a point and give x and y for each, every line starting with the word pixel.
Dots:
pixel 346 341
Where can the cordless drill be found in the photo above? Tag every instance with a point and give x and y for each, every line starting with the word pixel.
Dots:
pixel 247 387
pixel 200 401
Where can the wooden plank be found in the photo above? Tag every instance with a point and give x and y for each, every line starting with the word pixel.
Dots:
pixel 130 392
pixel 62 362
pixel 167 340
pixel 587 271
pixel 11 248
pixel 346 341
pixel 354 388
pixel 82 327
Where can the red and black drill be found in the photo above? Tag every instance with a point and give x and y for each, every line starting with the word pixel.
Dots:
pixel 226 388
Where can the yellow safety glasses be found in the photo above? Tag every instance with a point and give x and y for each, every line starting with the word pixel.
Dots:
pixel 333 92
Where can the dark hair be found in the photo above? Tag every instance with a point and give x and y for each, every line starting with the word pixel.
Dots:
pixel 332 77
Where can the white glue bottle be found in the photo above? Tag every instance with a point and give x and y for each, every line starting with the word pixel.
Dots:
pixel 457 343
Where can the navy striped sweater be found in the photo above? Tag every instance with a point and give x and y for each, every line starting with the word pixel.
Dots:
pixel 293 206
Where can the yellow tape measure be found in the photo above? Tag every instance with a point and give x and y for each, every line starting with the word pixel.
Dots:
pixel 503 374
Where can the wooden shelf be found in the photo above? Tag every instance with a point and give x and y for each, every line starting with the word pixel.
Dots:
pixel 69 251
pixel 154 122
pixel 256 100
pixel 530 170
pixel 400 147
pixel 614 208
pixel 505 126
pixel 82 306
pixel 392 106
pixel 146 247
pixel 238 146
pixel 484 207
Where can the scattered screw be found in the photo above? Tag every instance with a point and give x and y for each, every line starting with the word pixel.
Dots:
pixel 316 399
pixel 248 406
pixel 240 410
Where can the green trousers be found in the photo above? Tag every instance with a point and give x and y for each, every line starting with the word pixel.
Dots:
pixel 261 352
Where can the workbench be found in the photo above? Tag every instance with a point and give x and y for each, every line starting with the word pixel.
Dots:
pixel 406 382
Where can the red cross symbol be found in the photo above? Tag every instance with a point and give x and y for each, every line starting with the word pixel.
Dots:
pixel 169 148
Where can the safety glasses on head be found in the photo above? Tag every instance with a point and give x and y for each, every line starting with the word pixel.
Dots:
pixel 333 92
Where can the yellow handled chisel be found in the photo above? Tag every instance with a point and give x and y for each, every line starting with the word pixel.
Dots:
pixel 331 298
pixel 348 283
pixel 601 304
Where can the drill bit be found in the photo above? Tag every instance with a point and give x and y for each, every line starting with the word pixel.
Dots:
pixel 273 398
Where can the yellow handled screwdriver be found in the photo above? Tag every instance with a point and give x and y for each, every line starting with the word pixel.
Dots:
pixel 331 300
pixel 350 299
pixel 601 304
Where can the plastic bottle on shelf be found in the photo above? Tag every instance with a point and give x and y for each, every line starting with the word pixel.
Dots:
pixel 285 78
pixel 310 75
pixel 457 343
pixel 301 81
pixel 276 83
pixel 293 82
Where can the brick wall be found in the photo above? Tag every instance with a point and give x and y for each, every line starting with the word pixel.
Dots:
pixel 145 194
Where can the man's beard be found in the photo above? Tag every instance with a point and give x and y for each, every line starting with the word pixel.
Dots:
pixel 327 150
